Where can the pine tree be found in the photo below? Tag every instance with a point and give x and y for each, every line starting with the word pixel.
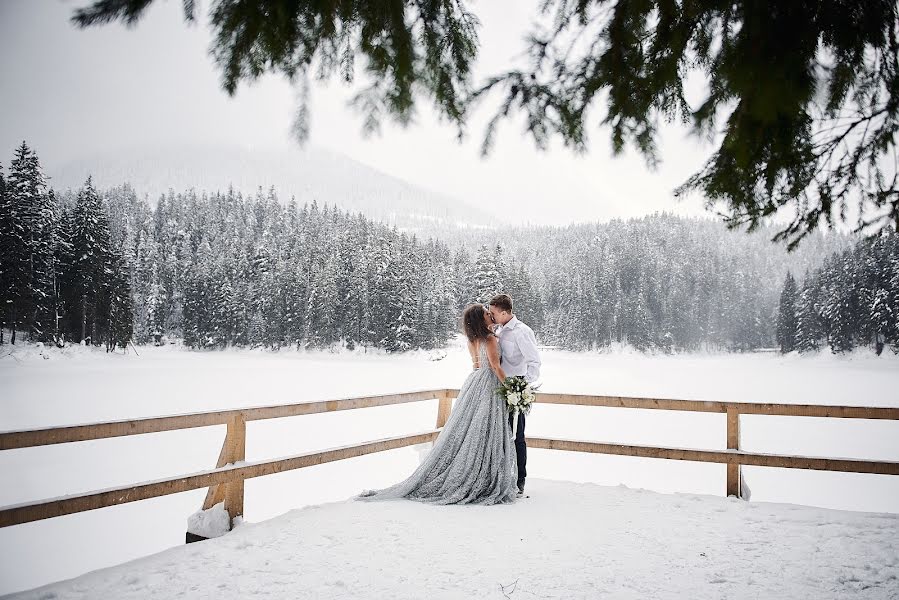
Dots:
pixel 464 288
pixel 31 246
pixel 405 307
pixel 882 317
pixel 6 256
pixel 836 306
pixel 154 303
pixel 91 265
pixel 120 329
pixel 445 321
pixel 15 254
pixel 808 325
pixel 321 309
pixel 225 319
pixel 65 275
pixel 195 307
pixel 639 328
pixel 294 285
pixel 892 333
pixel 524 298
pixel 381 286
pixel 55 310
pixel 786 316
pixel 354 276
pixel 488 278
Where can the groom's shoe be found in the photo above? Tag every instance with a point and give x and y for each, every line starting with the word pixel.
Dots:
pixel 520 489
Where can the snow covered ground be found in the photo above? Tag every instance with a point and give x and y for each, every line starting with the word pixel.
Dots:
pixel 80 386
pixel 608 542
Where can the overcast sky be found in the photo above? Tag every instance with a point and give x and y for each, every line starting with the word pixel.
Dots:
pixel 74 93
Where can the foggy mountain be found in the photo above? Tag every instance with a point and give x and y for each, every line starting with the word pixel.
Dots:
pixel 311 174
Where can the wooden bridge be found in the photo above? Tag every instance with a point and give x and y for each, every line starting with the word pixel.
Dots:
pixel 226 480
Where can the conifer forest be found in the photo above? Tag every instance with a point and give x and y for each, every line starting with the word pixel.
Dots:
pixel 216 269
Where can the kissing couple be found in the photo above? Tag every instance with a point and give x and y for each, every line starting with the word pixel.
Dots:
pixel 473 460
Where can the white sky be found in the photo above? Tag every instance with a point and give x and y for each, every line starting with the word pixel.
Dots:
pixel 72 93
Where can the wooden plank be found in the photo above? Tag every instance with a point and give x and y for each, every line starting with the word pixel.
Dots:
pixel 733 443
pixel 237 451
pixel 850 465
pixel 444 409
pixel 745 408
pixel 814 410
pixel 10 440
pixel 216 493
pixel 55 507
pixel 309 408
pixel 628 402
pixel 57 435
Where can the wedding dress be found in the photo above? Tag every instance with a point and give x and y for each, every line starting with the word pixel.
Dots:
pixel 473 459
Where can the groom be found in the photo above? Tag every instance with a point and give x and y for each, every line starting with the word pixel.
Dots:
pixel 519 357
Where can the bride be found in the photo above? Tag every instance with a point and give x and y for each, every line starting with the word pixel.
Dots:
pixel 473 459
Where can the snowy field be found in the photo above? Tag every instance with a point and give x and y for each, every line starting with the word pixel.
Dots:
pixel 609 542
pixel 82 386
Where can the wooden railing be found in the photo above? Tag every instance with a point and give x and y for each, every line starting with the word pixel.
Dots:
pixel 226 481
pixel 733 457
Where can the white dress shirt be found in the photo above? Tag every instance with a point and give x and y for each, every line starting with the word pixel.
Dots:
pixel 519 346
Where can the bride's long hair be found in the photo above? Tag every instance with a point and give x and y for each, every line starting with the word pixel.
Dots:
pixel 473 323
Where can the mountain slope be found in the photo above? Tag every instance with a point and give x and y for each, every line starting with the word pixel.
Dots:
pixel 310 174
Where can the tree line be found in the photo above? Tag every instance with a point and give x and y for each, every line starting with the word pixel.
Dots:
pixel 658 283
pixel 851 300
pixel 226 269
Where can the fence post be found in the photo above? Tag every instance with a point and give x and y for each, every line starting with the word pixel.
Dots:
pixel 237 452
pixel 733 443
pixel 444 408
pixel 234 450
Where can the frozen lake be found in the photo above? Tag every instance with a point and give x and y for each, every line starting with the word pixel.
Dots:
pixel 81 386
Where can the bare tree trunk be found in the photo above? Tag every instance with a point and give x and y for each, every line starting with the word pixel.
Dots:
pixel 33 329
pixel 94 321
pixel 57 338
pixel 83 317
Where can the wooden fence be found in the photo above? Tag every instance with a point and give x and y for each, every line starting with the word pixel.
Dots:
pixel 226 480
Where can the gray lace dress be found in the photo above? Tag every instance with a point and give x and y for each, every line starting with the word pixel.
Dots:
pixel 473 459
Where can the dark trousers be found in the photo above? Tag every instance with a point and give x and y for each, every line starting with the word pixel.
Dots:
pixel 521 449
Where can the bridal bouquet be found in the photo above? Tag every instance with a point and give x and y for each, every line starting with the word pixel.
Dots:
pixel 518 394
